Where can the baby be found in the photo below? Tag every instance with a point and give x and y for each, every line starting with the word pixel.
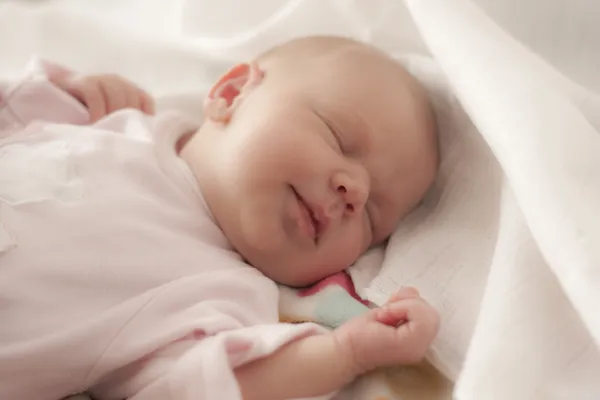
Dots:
pixel 138 253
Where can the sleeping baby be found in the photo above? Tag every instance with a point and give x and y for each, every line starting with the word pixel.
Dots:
pixel 139 253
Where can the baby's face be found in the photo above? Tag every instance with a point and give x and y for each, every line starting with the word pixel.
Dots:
pixel 310 169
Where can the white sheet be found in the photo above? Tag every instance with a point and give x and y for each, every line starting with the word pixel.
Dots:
pixel 526 236
pixel 532 223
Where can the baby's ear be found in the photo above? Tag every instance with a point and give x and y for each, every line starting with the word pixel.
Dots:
pixel 225 96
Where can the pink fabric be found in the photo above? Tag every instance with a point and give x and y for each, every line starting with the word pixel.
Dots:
pixel 341 279
pixel 113 276
pixel 33 98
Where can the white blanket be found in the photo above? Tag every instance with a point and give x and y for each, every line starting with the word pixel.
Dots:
pixel 516 226
pixel 508 243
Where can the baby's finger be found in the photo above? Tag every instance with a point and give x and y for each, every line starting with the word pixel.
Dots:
pixel 133 98
pixel 392 315
pixel 92 96
pixel 418 318
pixel 114 94
pixel 147 102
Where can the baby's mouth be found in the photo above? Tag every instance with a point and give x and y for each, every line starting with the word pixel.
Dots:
pixel 308 223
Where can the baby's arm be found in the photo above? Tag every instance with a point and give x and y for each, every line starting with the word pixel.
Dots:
pixel 309 367
pixel 277 362
pixel 400 332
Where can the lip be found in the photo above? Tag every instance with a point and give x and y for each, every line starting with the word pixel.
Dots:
pixel 306 221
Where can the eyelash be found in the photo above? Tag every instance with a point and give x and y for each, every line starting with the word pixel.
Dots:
pixel 337 138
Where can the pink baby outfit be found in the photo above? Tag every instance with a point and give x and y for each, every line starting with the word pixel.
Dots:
pixel 113 276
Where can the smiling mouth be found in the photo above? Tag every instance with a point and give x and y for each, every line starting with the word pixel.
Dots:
pixel 313 230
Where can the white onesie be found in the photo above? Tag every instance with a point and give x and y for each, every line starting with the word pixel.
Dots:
pixel 113 276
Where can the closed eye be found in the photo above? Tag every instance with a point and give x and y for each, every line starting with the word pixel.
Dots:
pixel 339 141
pixel 334 133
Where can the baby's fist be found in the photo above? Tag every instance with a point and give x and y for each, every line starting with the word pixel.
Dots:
pixel 102 94
pixel 399 332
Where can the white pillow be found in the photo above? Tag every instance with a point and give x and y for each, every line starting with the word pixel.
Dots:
pixel 445 247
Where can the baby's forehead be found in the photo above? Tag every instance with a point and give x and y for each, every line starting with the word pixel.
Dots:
pixel 341 57
pixel 364 87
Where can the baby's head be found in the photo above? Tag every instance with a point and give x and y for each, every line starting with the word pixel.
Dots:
pixel 312 153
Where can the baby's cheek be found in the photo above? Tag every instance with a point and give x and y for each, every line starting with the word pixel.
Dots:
pixel 347 250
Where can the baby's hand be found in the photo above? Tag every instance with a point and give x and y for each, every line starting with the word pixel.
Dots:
pixel 104 94
pixel 399 332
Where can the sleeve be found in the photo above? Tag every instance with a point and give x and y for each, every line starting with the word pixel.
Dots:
pixel 223 319
pixel 33 97
pixel 202 369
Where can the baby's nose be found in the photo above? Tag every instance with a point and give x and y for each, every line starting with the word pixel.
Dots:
pixel 353 191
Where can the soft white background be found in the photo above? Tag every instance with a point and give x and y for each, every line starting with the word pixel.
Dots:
pixel 508 243
pixel 564 32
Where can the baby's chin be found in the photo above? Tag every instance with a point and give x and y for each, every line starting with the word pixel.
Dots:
pixel 297 282
pixel 297 277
